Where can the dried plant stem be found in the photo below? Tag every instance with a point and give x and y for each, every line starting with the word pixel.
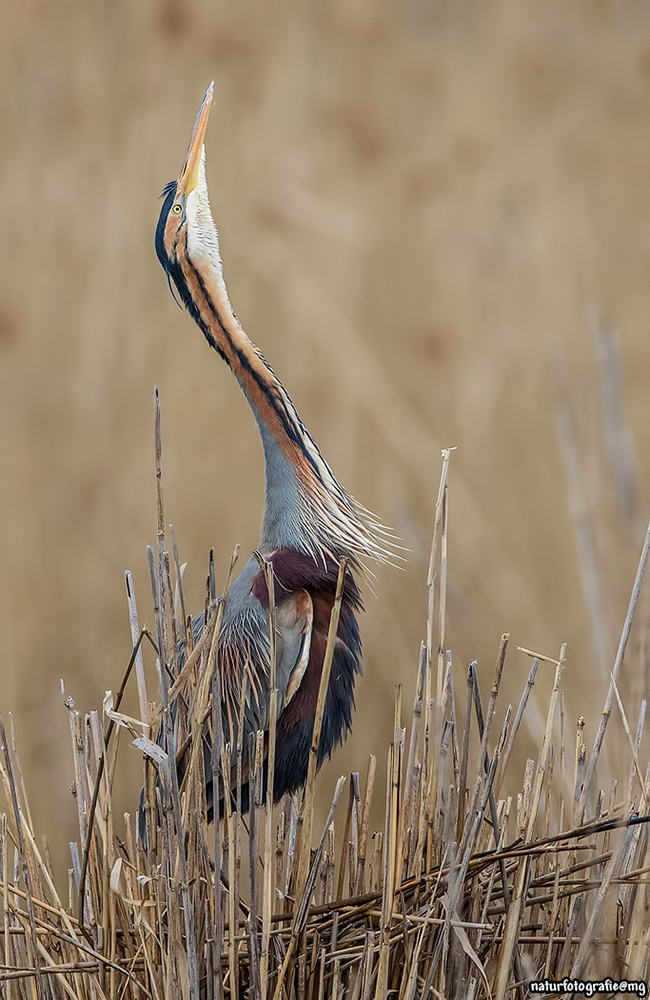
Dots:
pixel 302 909
pixel 442 610
pixel 489 715
pixel 308 801
pixel 391 846
pixel 167 919
pixel 215 765
pixel 363 835
pixel 513 921
pixel 33 941
pixel 267 901
pixel 514 728
pixel 609 700
pixel 100 767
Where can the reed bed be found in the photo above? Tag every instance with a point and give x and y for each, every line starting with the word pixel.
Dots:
pixel 471 888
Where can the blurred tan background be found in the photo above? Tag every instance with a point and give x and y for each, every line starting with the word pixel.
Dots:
pixel 428 217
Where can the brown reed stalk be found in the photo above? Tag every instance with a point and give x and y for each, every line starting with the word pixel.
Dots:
pixel 489 715
pixel 267 901
pixel 302 909
pixel 32 940
pixel 514 917
pixel 609 700
pixel 359 888
pixel 219 792
pixel 422 916
pixel 308 800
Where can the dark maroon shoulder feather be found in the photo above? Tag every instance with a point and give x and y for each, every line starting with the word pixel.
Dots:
pixel 293 570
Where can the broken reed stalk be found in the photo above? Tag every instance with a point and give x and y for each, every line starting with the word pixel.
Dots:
pixel 102 760
pixel 444 901
pixel 308 801
pixel 22 856
pixel 139 661
pixel 514 916
pixel 267 902
pixel 620 654
pixel 302 910
pixel 218 792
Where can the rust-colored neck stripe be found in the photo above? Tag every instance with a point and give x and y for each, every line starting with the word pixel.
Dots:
pixel 257 379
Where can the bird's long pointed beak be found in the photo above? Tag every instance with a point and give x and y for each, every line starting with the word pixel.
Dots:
pixel 190 173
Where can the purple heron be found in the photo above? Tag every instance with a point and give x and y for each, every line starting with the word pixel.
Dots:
pixel 310 521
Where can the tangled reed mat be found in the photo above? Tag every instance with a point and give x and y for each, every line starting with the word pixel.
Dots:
pixel 462 894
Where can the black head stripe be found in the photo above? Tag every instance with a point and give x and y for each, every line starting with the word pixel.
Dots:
pixel 168 194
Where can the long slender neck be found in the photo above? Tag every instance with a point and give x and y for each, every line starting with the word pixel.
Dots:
pixel 291 456
pixel 306 507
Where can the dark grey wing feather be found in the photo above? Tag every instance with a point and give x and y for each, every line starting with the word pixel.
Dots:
pixel 244 659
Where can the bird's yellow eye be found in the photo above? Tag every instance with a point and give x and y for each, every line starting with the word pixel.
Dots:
pixel 177 209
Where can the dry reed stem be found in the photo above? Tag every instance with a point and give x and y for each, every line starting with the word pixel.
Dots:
pixel 32 940
pixel 625 634
pixel 483 752
pixel 442 592
pixel 363 835
pixel 215 765
pixel 423 916
pixel 302 909
pixel 633 743
pixel 101 764
pixel 308 800
pixel 267 901
pixel 514 916
pixel 514 728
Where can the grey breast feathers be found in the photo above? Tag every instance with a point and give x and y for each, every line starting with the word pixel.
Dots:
pixel 244 657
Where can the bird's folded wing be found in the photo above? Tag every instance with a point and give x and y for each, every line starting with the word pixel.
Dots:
pixel 244 661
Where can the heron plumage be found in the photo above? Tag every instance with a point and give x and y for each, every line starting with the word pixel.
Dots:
pixel 244 646
pixel 306 506
pixel 310 521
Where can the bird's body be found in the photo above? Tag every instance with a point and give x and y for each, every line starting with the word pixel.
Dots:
pixel 310 522
pixel 309 586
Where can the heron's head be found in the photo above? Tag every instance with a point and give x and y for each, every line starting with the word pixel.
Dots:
pixel 185 226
